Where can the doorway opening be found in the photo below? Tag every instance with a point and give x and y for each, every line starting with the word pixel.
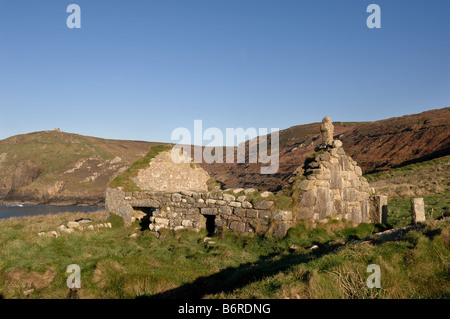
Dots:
pixel 210 224
pixel 143 214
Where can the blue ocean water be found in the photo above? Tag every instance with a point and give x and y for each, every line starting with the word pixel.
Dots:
pixel 7 211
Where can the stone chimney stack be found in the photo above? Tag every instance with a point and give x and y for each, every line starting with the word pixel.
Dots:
pixel 327 130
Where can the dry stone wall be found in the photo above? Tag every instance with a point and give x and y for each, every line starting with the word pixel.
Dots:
pixel 199 210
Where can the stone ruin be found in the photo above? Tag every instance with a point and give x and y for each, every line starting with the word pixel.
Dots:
pixel 333 185
pixel 179 196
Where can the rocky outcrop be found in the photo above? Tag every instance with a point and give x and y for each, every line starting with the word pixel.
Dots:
pixel 25 173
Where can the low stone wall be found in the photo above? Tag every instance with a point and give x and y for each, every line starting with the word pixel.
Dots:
pixel 199 210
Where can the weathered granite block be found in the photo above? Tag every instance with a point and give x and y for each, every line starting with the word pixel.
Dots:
pixel 349 194
pixel 246 204
pixel 229 198
pixel 417 210
pixel 224 210
pixel 265 204
pixel 162 221
pixel 280 229
pixel 283 215
pixel 240 212
pixel 356 214
pixel 238 227
pixel 335 179
pixel 324 204
pixel 235 204
pixel 116 204
pixel 308 198
pixel 145 203
pixel 305 212
pixel 209 211
pixel 252 213
pixel 378 209
pixel 186 223
pixel 306 185
pixel 265 214
pixel 217 195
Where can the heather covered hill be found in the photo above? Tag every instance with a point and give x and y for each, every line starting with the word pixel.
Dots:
pixel 375 146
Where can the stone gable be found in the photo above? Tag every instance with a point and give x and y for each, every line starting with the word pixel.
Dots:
pixel 334 186
pixel 163 174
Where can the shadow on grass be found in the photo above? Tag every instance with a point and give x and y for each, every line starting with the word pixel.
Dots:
pixel 232 278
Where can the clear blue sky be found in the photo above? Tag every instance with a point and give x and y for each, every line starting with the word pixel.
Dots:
pixel 138 69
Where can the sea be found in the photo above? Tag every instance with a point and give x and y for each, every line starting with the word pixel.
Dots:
pixel 7 211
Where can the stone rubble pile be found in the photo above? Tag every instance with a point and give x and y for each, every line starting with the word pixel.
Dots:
pixel 72 226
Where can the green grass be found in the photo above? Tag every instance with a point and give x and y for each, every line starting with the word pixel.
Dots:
pixel 399 208
pixel 352 123
pixel 125 179
pixel 281 202
pixel 407 170
pixel 311 156
pixel 430 180
pixel 44 146
pixel 213 184
pixel 181 264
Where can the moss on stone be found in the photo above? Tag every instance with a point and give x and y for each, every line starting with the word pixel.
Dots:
pixel 125 179
pixel 281 201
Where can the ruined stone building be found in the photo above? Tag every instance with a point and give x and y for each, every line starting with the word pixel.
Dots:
pixel 179 195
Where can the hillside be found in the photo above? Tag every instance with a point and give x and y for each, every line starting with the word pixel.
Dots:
pixel 429 179
pixel 62 168
pixel 375 146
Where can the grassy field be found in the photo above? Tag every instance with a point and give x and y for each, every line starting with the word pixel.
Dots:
pixel 430 180
pixel 185 265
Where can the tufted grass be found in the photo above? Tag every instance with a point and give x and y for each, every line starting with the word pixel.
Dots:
pixel 184 265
